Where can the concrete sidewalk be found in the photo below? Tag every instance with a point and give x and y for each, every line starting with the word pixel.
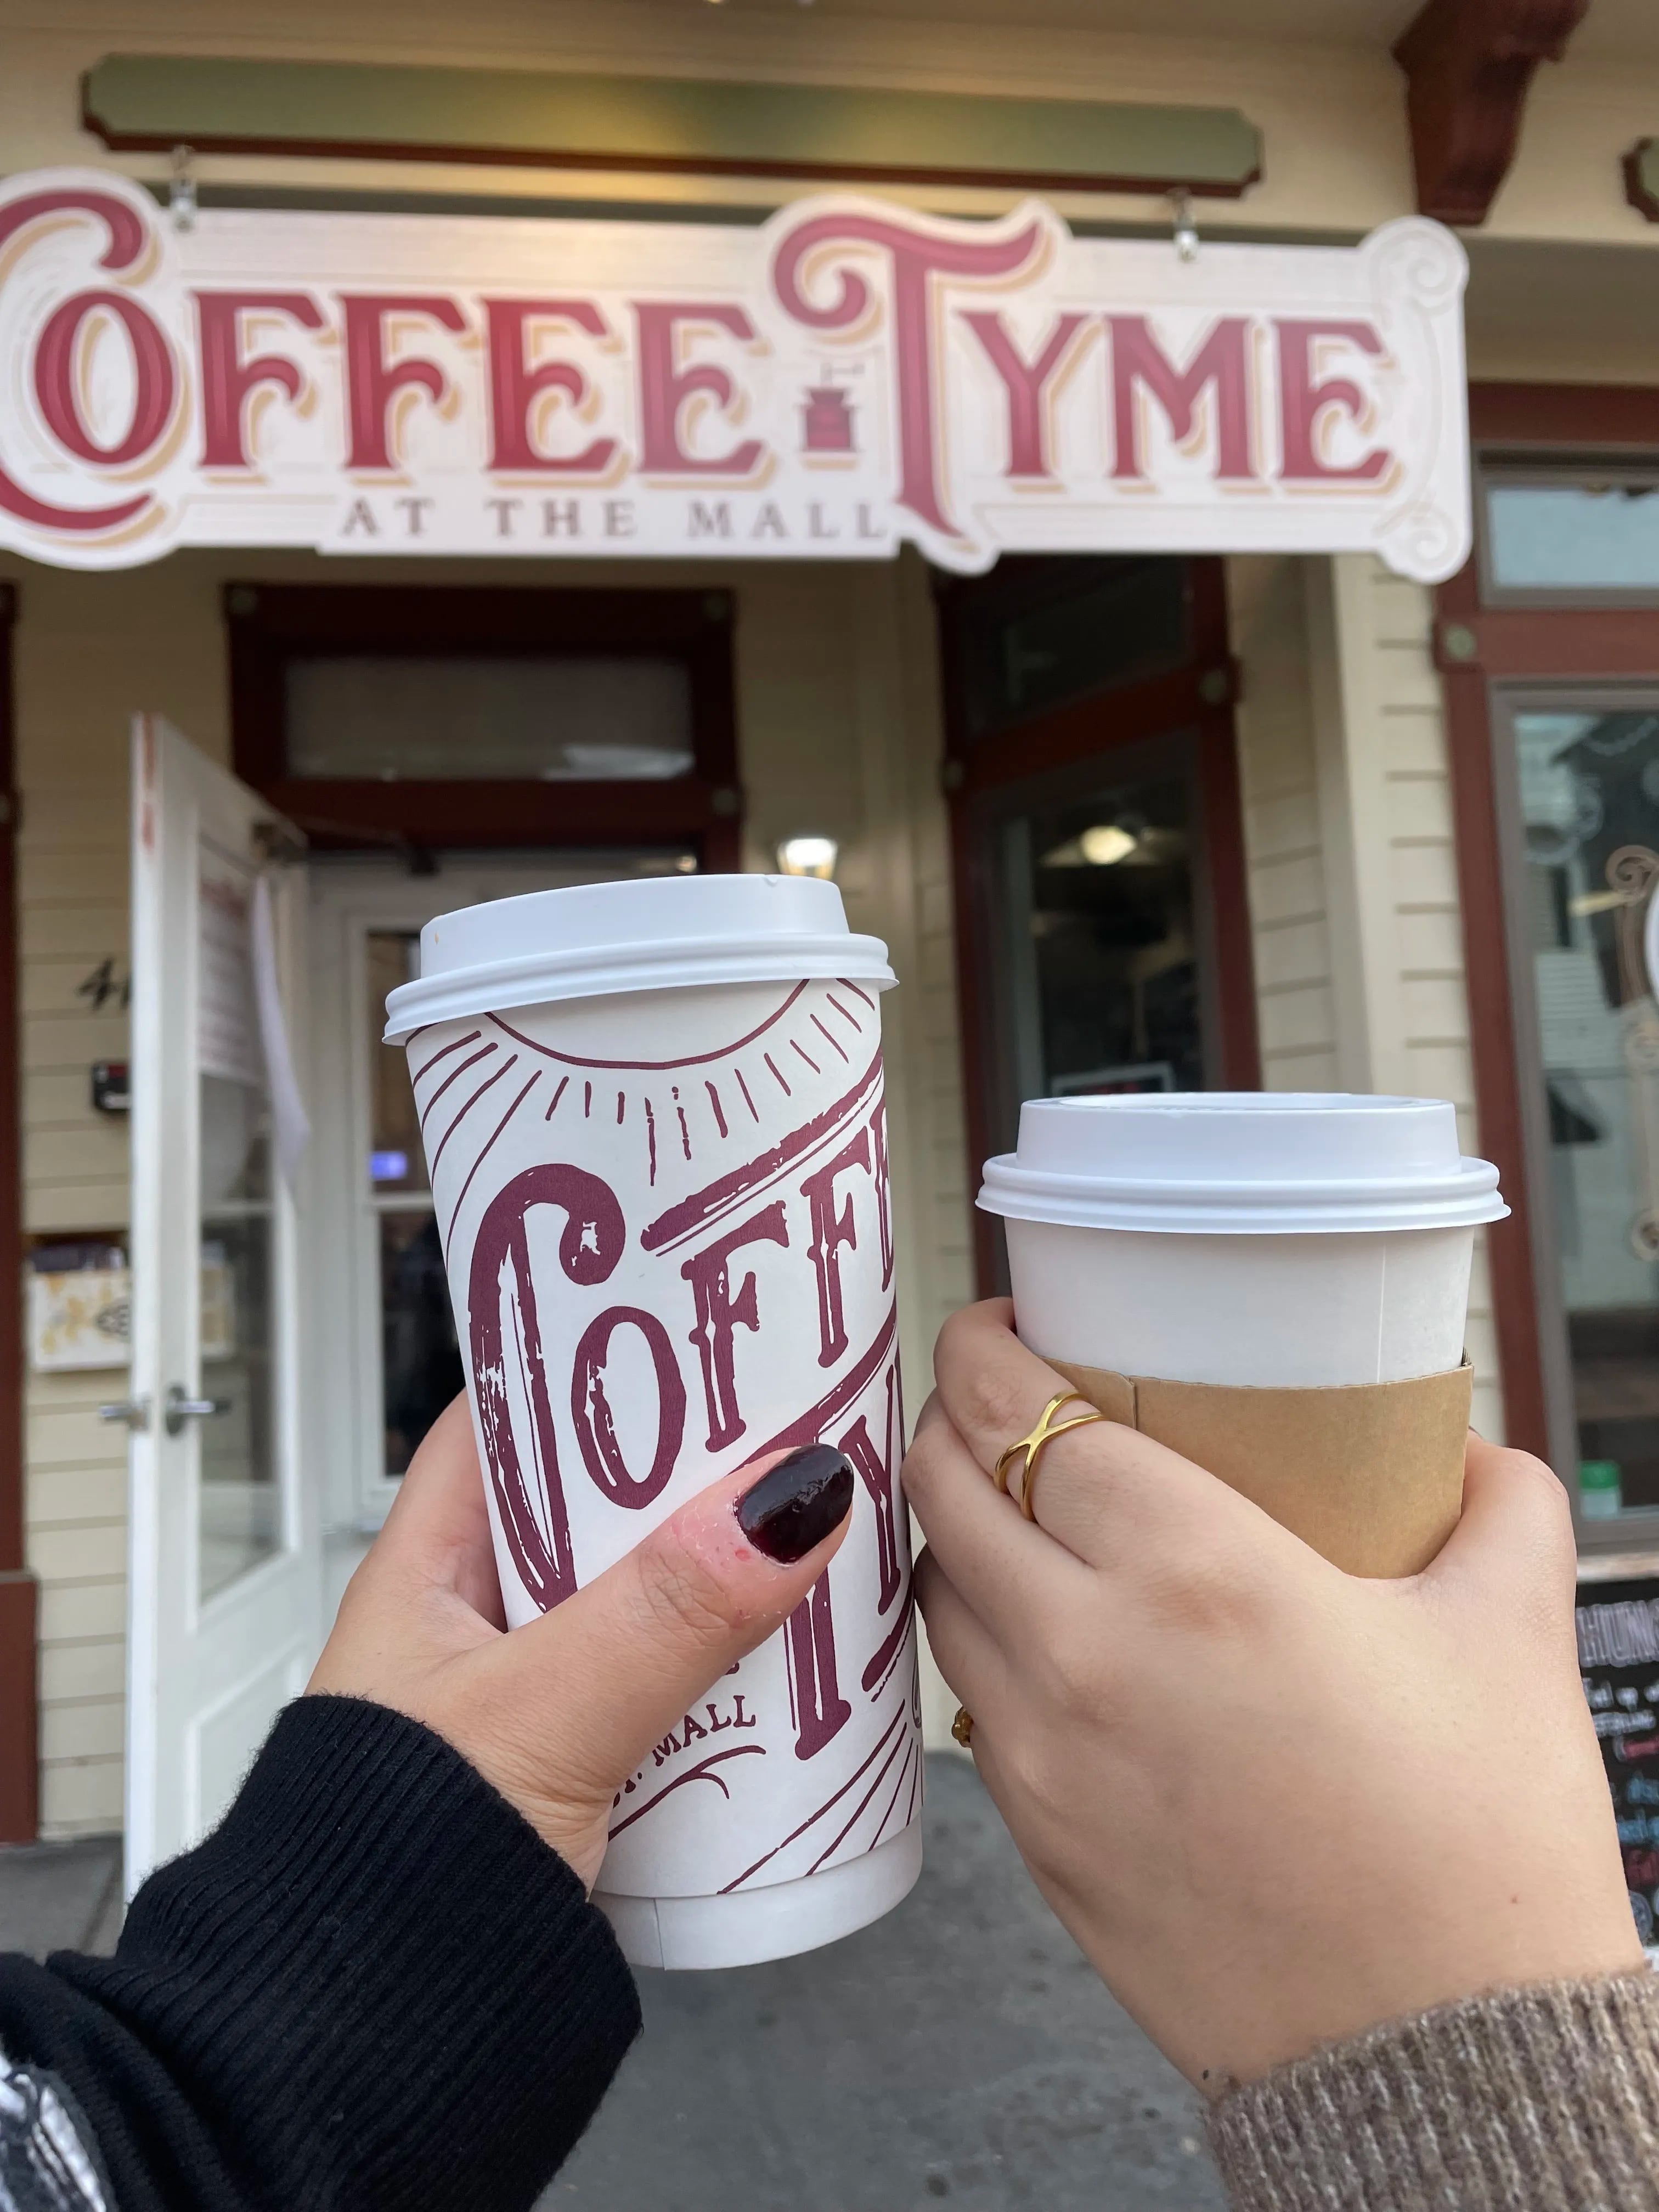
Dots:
pixel 61 1897
pixel 961 2051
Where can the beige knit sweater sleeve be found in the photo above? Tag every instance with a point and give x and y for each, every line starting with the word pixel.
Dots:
pixel 1542 2099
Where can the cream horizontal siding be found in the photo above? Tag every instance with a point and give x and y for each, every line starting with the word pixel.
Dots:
pixel 903 749
pixel 85 1797
pixel 1401 994
pixel 1355 919
pixel 84 646
pixel 77 1544
pixel 1290 939
pixel 71 1670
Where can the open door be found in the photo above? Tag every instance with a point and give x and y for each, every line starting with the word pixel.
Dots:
pixel 223 1564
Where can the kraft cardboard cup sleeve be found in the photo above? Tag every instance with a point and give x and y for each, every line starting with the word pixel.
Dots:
pixel 1306 1244
pixel 654 1124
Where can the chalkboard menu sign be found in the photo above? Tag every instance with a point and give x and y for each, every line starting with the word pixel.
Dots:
pixel 1619 1658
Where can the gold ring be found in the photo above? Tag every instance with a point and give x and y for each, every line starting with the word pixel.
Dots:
pixel 963 1728
pixel 1045 1432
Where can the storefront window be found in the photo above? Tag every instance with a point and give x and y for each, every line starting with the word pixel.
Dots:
pixel 421 1361
pixel 237 1497
pixel 1558 538
pixel 1589 780
pixel 551 719
pixel 1103 990
pixel 1093 768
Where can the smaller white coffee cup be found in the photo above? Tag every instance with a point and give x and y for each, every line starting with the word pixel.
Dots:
pixel 1282 1240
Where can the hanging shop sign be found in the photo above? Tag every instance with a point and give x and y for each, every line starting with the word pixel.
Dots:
pixel 846 376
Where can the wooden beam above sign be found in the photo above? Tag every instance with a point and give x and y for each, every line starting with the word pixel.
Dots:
pixel 1642 178
pixel 1468 66
pixel 699 126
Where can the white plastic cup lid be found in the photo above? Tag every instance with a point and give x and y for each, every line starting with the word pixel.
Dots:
pixel 644 934
pixel 1238 1163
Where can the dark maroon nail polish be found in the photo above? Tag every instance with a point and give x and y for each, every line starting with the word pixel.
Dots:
pixel 798 1503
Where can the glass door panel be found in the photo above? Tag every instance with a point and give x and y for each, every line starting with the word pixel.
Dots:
pixel 421 1362
pixel 385 1359
pixel 1101 956
pixel 1095 915
pixel 238 1497
pixel 1588 782
pixel 1105 938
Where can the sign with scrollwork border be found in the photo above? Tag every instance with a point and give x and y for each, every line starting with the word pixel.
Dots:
pixel 849 375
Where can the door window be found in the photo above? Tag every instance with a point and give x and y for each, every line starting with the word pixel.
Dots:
pixel 1589 780
pixel 238 1495
pixel 384 1359
pixel 1100 945
pixel 420 1357
pixel 1099 848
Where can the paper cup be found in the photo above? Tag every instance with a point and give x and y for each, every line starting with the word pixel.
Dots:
pixel 1273 1240
pixel 655 1128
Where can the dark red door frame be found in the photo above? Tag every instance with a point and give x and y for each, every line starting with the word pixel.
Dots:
pixel 18 1723
pixel 1476 647
pixel 1197 696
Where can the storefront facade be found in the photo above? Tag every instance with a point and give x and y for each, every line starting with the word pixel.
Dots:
pixel 1350 791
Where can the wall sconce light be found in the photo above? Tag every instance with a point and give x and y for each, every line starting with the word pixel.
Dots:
pixel 810 854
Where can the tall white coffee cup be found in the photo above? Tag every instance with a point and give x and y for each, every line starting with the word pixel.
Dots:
pixel 654 1124
pixel 1268 1239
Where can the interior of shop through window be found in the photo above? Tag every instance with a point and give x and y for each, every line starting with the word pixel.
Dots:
pixel 1569 566
pixel 1090 704
pixel 1589 779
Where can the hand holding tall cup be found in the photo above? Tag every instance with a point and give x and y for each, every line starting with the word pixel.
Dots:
pixel 656 1131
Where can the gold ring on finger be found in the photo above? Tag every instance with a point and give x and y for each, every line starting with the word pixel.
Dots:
pixel 963 1728
pixel 1044 1433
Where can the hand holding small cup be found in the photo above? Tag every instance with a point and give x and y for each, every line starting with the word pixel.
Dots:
pixel 1275 1804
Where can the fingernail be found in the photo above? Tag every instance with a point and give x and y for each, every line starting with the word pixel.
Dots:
pixel 798 1503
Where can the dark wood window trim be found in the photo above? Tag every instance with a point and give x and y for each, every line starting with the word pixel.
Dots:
pixel 1476 647
pixel 1197 697
pixel 271 624
pixel 19 1724
pixel 1573 417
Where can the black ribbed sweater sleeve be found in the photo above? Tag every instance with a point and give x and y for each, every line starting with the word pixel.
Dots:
pixel 373 1986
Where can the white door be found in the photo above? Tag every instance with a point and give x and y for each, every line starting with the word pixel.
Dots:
pixel 224 1568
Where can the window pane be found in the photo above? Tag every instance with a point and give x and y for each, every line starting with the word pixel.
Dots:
pixel 422 1361
pixel 396 1161
pixel 1126 621
pixel 1104 983
pixel 238 1504
pixel 545 720
pixel 239 1500
pixel 1590 799
pixel 1573 537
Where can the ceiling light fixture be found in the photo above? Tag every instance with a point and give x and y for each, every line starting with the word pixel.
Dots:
pixel 1107 843
pixel 810 853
